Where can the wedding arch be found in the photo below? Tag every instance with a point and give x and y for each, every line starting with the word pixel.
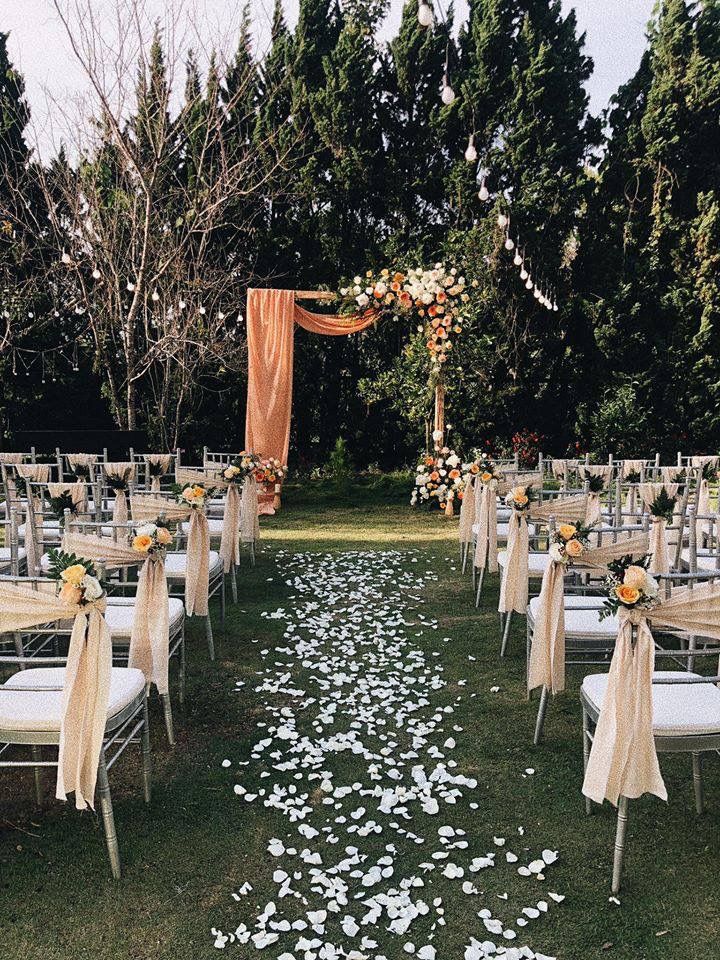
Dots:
pixel 436 295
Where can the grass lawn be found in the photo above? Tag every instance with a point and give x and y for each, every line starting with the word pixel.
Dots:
pixel 197 843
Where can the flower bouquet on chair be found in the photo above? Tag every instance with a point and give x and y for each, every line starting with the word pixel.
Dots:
pixel 630 586
pixel 152 539
pixel 77 579
pixel 244 465
pixel 568 542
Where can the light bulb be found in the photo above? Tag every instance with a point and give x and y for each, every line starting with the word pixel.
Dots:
pixel 96 274
pixel 509 244
pixel 65 258
pixel 536 293
pixel 425 14
pixel 502 220
pixel 483 192
pixel 471 152
pixel 517 259
pixel 524 274
pixel 529 284
pixel 447 94
pixel 155 296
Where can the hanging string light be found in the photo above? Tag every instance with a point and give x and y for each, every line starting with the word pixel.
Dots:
pixel 483 192
pixel 470 151
pixel 425 14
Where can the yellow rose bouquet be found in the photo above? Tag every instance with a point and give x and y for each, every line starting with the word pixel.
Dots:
pixel 77 580
pixel 629 585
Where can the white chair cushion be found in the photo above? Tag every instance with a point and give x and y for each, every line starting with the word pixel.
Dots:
pixel 705 559
pixel 678 709
pixel 583 622
pixel 121 612
pixel 503 514
pixel 215 525
pixel 175 565
pixel 5 555
pixel 537 562
pixel 502 530
pixel 40 711
pixel 50 530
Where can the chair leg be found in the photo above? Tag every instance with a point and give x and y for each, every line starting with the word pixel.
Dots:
pixel 620 843
pixel 167 713
pixel 506 633
pixel 464 555
pixel 209 635
pixel 473 571
pixel 222 601
pixel 479 587
pixel 542 710
pixel 252 554
pixel 108 818
pixel 698 783
pixel 233 583
pixel 146 758
pixel 37 773
pixel 182 670
pixel 586 755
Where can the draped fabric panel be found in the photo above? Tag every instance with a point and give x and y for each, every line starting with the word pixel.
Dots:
pixel 547 654
pixel 271 315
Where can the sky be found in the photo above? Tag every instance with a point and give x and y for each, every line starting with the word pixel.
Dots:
pixel 39 46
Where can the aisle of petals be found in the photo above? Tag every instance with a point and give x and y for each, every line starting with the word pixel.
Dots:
pixel 358 759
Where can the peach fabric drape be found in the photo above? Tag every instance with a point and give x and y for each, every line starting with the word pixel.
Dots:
pixel 271 315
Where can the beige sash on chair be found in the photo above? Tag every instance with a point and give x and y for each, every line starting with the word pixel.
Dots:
pixel 35 473
pixel 547 653
pixel 124 471
pixel 202 476
pixel 150 634
pixel 249 512
pixel 87 682
pixel 230 538
pixel 162 461
pixel 197 574
pixel 486 545
pixel 467 512
pixel 660 559
pixel 514 584
pixel 623 760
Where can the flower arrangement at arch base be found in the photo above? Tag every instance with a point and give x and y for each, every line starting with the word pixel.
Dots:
pixel 439 481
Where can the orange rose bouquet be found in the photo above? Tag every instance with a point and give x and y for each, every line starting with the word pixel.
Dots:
pixel 151 539
pixel 629 585
pixel 568 542
pixel 270 473
pixel 484 469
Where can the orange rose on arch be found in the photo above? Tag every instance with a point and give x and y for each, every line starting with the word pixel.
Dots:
pixel 627 594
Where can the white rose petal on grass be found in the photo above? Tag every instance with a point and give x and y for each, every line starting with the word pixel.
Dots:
pixel 374 693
